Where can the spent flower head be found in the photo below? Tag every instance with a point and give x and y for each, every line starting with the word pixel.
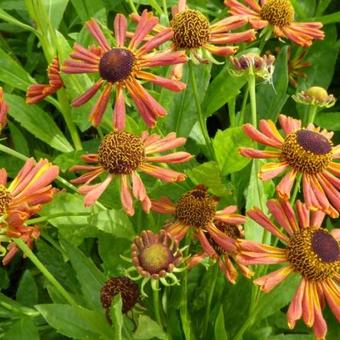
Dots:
pixel 316 96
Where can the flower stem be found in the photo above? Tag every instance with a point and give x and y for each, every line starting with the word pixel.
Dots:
pixel 231 109
pixel 132 6
pixel 243 107
pixel 252 93
pixel 311 114
pixel 49 217
pixel 28 252
pixel 201 119
pixel 212 283
pixel 156 305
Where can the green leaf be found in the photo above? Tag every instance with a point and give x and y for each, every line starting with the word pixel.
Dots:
pixel 19 139
pixel 279 297
pixel 117 316
pixel 91 279
pixel 329 19
pixel 223 88
pixel 4 279
pixel 76 322
pixel 12 73
pixel 226 145
pixel 37 122
pixel 182 114
pixel 86 9
pixel 27 292
pixel 328 120
pixel 22 329
pixel 10 19
pixel 219 329
pixel 148 329
pixel 72 228
pixel 256 197
pixel 113 222
pixel 209 174
pixel 270 98
pixel 55 11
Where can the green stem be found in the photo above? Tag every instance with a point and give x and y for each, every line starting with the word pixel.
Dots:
pixel 165 8
pixel 18 155
pixel 243 107
pixel 296 188
pixel 49 217
pixel 311 113
pixel 156 305
pixel 252 93
pixel 28 252
pixel 232 115
pixel 132 6
pixel 66 112
pixel 212 283
pixel 200 117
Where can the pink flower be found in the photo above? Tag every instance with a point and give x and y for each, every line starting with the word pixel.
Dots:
pixel 119 68
pixel 123 155
pixel 3 110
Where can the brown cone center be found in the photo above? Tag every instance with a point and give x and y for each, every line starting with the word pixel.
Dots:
pixel 5 198
pixel 191 29
pixel 196 208
pixel 314 253
pixel 278 12
pixel 307 151
pixel 121 152
pixel 116 64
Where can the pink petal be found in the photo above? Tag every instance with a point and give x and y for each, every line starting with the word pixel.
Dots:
pixel 166 175
pixel 93 195
pixel 175 157
pixel 98 109
pixel 170 84
pixel 295 308
pixel 269 281
pixel 163 206
pixel 95 30
pixel 125 196
pixel 271 170
pixel 289 124
pixel 260 137
pixel 161 37
pixel 285 186
pixel 120 26
pixel 86 96
pixel 119 112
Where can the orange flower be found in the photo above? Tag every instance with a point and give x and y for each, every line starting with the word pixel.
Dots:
pixel 197 209
pixel 310 250
pixel 280 15
pixel 23 198
pixel 192 31
pixel 119 67
pixel 306 151
pixel 37 92
pixel 122 154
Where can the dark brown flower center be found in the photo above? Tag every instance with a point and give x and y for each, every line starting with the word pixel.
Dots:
pixel 155 258
pixel 122 285
pixel 196 208
pixel 314 253
pixel 116 64
pixel 233 231
pixel 191 29
pixel 307 151
pixel 121 152
pixel 5 198
pixel 278 12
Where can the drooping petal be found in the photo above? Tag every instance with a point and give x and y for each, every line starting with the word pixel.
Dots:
pixel 97 33
pixel 175 157
pixel 285 186
pixel 271 170
pixel 125 195
pixel 119 112
pixel 86 96
pixel 269 281
pixel 254 153
pixel 98 109
pixel 289 124
pixel 295 308
pixel 161 37
pixel 163 206
pixel 224 241
pixel 166 175
pixel 96 191
pixel 170 84
pixel 120 27
pixel 260 137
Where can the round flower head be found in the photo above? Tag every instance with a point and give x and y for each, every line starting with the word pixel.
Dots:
pixel 156 257
pixel 310 251
pixel 192 32
pixel 316 96
pixel 224 258
pixel 120 66
pixel 3 110
pixel 124 286
pixel 122 154
pixel 307 151
pixel 37 92
pixel 22 199
pixel 262 67
pixel 197 209
pixel 279 14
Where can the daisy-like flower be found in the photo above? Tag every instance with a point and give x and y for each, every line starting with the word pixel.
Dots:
pixel 307 151
pixel 197 209
pixel 3 110
pixel 122 154
pixel 193 32
pixel 310 250
pixel 224 258
pixel 316 96
pixel 120 66
pixel 124 286
pixel 280 15
pixel 37 92
pixel 23 198
pixel 156 257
